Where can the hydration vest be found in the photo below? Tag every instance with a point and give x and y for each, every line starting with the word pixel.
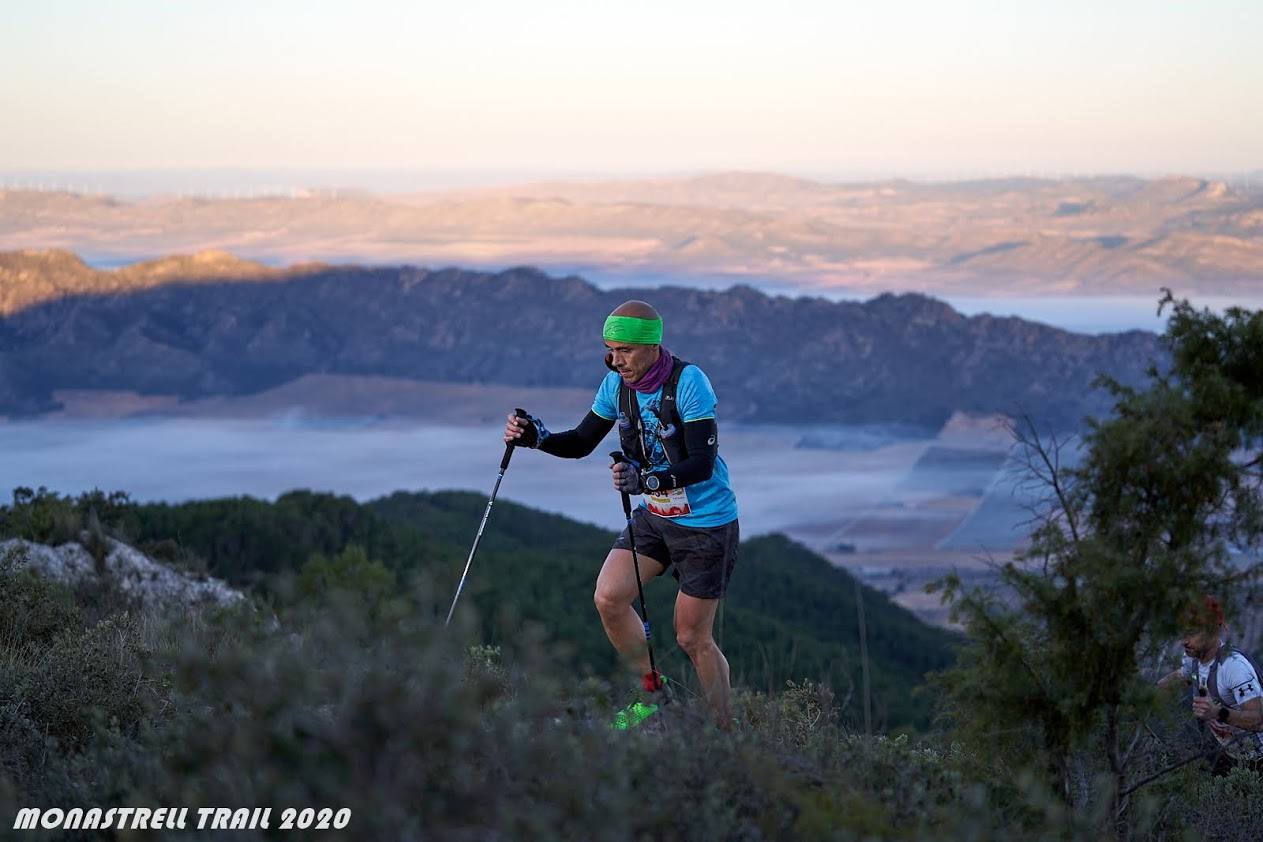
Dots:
pixel 631 430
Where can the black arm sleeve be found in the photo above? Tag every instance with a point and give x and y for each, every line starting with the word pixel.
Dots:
pixel 702 440
pixel 579 442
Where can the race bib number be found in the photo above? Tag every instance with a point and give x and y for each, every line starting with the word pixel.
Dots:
pixel 673 503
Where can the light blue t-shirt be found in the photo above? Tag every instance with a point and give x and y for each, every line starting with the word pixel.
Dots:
pixel 712 502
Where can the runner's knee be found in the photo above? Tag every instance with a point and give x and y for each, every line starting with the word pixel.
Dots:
pixel 608 600
pixel 692 640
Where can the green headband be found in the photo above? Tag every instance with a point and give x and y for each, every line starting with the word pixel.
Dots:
pixel 632 330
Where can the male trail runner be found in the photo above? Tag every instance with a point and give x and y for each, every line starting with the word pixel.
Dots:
pixel 688 518
pixel 1229 696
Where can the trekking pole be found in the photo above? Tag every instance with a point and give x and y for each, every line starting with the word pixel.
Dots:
pixel 504 466
pixel 653 680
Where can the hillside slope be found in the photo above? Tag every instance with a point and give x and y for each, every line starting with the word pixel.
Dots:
pixel 790 614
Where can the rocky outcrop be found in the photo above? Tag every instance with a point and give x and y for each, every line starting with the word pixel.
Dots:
pixel 131 571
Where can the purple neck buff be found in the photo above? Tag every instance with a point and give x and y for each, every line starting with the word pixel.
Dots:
pixel 656 375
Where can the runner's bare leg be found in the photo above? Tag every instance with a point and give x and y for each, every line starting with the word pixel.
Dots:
pixel 694 623
pixel 614 597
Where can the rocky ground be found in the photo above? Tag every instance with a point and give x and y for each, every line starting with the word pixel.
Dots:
pixel 131 571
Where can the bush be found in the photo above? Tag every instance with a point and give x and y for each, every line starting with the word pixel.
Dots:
pixel 42 516
pixel 802 713
pixel 33 610
pixel 1228 807
pixel 424 736
pixel 424 732
pixel 88 681
pixel 47 517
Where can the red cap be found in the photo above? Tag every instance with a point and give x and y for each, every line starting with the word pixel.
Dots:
pixel 1205 613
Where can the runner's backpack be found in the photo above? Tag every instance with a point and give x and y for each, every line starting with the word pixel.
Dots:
pixel 1212 680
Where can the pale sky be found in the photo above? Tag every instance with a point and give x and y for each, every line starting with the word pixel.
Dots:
pixel 935 89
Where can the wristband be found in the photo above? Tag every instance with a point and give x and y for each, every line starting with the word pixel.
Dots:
pixel 1224 713
pixel 535 434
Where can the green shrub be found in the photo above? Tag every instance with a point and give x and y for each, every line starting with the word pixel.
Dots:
pixel 33 610
pixel 802 713
pixel 95 541
pixel 47 517
pixel 88 681
pixel 1230 807
pixel 42 516
pixel 413 729
pixel 425 732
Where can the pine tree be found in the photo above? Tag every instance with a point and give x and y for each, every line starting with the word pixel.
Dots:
pixel 1162 506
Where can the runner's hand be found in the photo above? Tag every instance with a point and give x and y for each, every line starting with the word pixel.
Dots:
pixel 524 431
pixel 1204 709
pixel 513 429
pixel 626 479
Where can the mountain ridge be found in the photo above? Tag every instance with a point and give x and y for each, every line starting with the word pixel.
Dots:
pixel 898 357
pixel 33 276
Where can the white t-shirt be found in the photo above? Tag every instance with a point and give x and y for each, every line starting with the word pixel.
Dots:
pixel 1238 683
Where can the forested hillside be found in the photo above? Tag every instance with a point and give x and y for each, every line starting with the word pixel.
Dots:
pixel 790 614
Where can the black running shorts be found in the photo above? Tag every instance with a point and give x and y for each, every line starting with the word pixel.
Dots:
pixel 701 557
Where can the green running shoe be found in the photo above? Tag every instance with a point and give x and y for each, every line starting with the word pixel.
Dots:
pixel 653 694
pixel 632 715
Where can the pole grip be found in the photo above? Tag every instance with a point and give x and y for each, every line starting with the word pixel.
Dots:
pixel 508 448
pixel 619 458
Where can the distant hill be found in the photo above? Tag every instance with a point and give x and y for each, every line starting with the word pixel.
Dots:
pixel 33 277
pixel 1014 236
pixel 790 614
pixel 211 325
